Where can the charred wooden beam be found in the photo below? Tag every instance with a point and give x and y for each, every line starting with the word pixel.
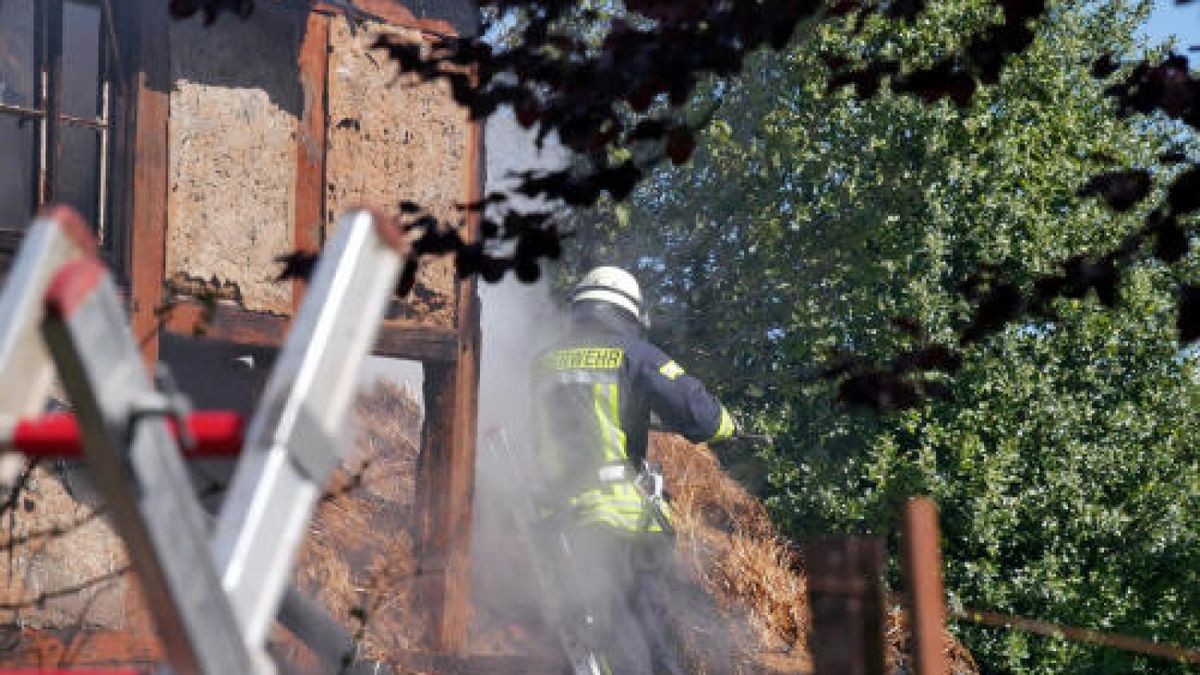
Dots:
pixel 418 343
pixel 232 324
pixel 225 323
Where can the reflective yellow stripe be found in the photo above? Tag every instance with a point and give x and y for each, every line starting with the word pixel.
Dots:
pixel 614 406
pixel 726 429
pixel 613 436
pixel 598 403
pixel 667 511
pixel 619 505
pixel 627 522
pixel 584 358
pixel 670 370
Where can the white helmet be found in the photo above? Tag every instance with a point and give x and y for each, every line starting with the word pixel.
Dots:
pixel 614 286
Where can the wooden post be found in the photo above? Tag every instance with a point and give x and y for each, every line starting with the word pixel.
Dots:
pixel 446 467
pixel 926 601
pixel 150 68
pixel 310 143
pixel 445 487
pixel 845 597
pixel 148 234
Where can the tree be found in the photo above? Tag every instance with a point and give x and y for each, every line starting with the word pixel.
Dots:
pixel 814 230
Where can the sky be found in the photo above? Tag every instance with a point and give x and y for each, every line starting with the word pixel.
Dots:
pixel 1182 21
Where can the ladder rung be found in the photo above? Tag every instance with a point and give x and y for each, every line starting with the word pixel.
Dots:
pixel 216 433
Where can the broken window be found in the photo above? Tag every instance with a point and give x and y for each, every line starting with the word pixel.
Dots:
pixel 55 110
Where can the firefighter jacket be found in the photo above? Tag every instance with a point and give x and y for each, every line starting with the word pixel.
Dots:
pixel 594 394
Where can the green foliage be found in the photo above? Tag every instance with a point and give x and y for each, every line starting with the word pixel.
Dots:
pixel 1066 460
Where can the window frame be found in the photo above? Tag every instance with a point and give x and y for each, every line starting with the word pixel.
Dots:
pixel 46 112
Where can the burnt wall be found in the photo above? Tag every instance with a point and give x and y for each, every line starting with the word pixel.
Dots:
pixel 235 106
pixel 392 139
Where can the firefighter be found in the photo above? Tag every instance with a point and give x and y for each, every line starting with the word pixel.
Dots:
pixel 595 392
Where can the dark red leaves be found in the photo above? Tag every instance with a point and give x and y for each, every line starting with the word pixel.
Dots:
pixel 527 113
pixel 648 130
pixel 881 391
pixel 1081 275
pixel 1020 11
pixel 931 358
pixel 642 98
pixel 670 11
pixel 988 52
pixel 1184 195
pixel 909 326
pixel 1104 66
pixel 680 145
pixel 955 77
pixel 904 9
pixel 938 82
pixel 1189 314
pixel 1120 189
pixel 904 383
pixel 903 386
pixel 1170 242
pixel 619 181
pixel 1167 86
pixel 865 82
pixel 999 305
pixel 296 265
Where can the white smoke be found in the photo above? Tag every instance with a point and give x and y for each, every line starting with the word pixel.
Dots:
pixel 517 321
pixel 517 318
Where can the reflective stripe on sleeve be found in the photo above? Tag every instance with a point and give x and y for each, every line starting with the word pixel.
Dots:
pixel 726 429
pixel 670 370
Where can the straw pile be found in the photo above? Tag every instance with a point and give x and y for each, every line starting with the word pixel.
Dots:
pixel 727 543
pixel 359 561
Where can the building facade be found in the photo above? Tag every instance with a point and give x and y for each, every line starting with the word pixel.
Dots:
pixel 199 154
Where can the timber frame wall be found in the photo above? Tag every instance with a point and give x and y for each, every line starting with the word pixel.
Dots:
pixel 450 356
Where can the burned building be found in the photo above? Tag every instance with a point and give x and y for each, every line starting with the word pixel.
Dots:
pixel 199 154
